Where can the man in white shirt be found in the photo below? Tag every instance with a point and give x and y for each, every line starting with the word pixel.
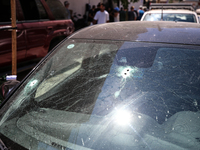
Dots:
pixel 101 16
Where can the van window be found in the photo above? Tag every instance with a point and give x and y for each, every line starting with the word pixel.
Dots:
pixel 57 8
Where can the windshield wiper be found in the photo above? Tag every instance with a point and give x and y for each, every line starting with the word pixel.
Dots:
pixel 2 145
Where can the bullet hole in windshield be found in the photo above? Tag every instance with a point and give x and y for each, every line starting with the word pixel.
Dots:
pixel 70 46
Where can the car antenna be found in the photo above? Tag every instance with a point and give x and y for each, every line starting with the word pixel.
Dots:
pixel 162 14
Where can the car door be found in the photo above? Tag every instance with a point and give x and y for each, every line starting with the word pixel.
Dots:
pixel 6 35
pixel 35 28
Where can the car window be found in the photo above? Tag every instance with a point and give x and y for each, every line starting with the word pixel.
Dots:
pixel 33 10
pixel 170 17
pixel 42 11
pixel 5 11
pixel 57 8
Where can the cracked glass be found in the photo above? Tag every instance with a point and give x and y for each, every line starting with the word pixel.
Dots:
pixel 95 94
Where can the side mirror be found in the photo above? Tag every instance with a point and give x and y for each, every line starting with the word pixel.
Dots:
pixel 8 85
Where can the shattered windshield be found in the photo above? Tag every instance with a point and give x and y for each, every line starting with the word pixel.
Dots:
pixel 108 95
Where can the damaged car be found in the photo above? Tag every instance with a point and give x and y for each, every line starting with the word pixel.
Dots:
pixel 122 86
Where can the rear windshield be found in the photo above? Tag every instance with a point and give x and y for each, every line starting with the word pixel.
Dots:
pixel 170 17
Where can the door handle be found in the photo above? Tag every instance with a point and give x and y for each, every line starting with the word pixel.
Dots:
pixel 50 27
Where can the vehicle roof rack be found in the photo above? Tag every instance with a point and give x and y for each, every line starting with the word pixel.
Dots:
pixel 188 6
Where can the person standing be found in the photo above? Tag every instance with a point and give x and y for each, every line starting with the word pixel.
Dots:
pixel 91 15
pixel 111 14
pixel 116 14
pixel 126 10
pixel 101 16
pixel 122 14
pixel 140 13
pixel 131 14
pixel 68 13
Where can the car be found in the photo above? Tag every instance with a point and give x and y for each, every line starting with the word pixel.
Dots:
pixel 123 85
pixel 171 12
pixel 198 13
pixel 40 26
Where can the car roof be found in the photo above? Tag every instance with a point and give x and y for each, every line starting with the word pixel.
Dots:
pixel 149 31
pixel 182 6
pixel 184 11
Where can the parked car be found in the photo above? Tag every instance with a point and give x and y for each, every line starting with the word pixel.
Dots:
pixel 198 13
pixel 40 26
pixel 124 85
pixel 171 12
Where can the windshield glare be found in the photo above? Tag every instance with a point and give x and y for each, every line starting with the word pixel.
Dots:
pixel 108 95
pixel 170 17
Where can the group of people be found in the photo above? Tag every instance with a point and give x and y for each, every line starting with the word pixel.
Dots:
pixel 99 14
pixel 133 14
